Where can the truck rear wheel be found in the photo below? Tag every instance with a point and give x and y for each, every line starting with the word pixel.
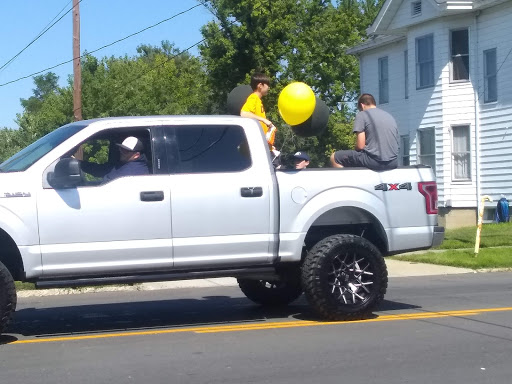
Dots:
pixel 7 297
pixel 271 294
pixel 344 277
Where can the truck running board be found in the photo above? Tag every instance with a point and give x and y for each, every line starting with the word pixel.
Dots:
pixel 256 273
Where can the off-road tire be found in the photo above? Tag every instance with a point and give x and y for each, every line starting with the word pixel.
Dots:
pixel 271 294
pixel 344 277
pixel 7 297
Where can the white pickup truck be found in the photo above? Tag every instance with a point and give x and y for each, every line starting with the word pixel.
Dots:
pixel 212 206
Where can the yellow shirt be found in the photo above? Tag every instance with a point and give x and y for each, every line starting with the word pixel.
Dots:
pixel 253 104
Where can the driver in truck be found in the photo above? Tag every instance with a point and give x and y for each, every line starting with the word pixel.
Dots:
pixel 132 162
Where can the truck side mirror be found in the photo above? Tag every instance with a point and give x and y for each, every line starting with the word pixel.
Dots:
pixel 67 174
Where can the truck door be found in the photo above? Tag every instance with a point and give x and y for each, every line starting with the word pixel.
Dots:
pixel 119 226
pixel 220 200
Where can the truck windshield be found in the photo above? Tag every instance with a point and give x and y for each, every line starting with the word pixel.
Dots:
pixel 29 155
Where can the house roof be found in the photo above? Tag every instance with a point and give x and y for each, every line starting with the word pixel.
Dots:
pixel 445 7
pixel 374 41
pixel 380 34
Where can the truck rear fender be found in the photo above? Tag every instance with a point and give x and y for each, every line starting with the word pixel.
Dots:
pixel 339 210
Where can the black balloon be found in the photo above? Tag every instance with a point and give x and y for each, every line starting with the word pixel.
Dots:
pixel 237 98
pixel 316 123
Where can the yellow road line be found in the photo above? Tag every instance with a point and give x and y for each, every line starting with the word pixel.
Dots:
pixel 270 325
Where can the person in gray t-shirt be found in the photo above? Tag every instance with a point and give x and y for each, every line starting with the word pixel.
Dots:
pixel 377 139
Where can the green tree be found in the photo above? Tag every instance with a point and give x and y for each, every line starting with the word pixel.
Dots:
pixel 46 85
pixel 54 110
pixel 11 141
pixel 47 108
pixel 319 59
pixel 159 80
pixel 297 40
pixel 248 35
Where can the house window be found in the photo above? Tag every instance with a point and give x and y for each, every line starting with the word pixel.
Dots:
pixel 383 80
pixel 406 73
pixel 459 42
pixel 490 76
pixel 425 62
pixel 427 147
pixel 461 155
pixel 416 8
pixel 404 150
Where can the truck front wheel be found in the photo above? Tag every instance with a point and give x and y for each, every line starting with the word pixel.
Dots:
pixel 7 297
pixel 344 277
pixel 271 294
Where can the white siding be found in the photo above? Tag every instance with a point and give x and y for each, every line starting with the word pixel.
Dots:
pixel 495 29
pixel 448 104
pixel 403 17
pixel 369 70
pixel 425 108
pixel 458 109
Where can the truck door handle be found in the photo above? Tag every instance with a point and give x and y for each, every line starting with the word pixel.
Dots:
pixel 251 191
pixel 152 196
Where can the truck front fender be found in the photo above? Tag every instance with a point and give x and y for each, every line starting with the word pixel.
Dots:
pixel 21 232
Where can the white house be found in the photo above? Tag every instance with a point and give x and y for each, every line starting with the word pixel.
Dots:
pixel 444 70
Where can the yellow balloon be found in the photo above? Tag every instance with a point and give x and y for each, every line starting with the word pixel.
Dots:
pixel 296 103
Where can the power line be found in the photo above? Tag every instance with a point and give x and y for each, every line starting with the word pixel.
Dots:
pixel 45 29
pixel 169 58
pixel 480 89
pixel 51 21
pixel 105 46
pixel 506 57
pixel 123 85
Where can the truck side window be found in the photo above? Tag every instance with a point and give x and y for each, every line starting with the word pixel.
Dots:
pixel 206 149
pixel 100 154
pixel 95 151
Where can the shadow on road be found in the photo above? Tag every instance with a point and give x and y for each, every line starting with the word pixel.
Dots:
pixel 6 339
pixel 160 314
pixel 388 305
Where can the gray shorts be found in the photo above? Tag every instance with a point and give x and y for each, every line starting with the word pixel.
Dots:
pixel 351 158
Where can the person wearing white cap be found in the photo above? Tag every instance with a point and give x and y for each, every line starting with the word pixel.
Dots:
pixel 301 160
pixel 132 162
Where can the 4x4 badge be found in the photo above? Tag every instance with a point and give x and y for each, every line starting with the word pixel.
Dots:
pixel 393 187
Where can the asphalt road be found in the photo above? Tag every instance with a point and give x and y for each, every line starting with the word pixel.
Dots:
pixel 431 329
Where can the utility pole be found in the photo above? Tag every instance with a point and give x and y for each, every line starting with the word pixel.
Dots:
pixel 77 70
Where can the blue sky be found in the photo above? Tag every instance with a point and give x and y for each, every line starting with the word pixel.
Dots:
pixel 102 22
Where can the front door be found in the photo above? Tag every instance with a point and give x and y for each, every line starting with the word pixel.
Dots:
pixel 119 226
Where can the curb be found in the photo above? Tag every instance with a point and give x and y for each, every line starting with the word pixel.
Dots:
pixel 199 283
pixel 484 270
pixel 402 268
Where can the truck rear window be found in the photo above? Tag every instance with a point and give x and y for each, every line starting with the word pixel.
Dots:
pixel 206 149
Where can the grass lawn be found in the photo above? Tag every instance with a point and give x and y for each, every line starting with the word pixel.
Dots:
pixel 457 249
pixel 493 235
pixel 24 286
pixel 487 258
